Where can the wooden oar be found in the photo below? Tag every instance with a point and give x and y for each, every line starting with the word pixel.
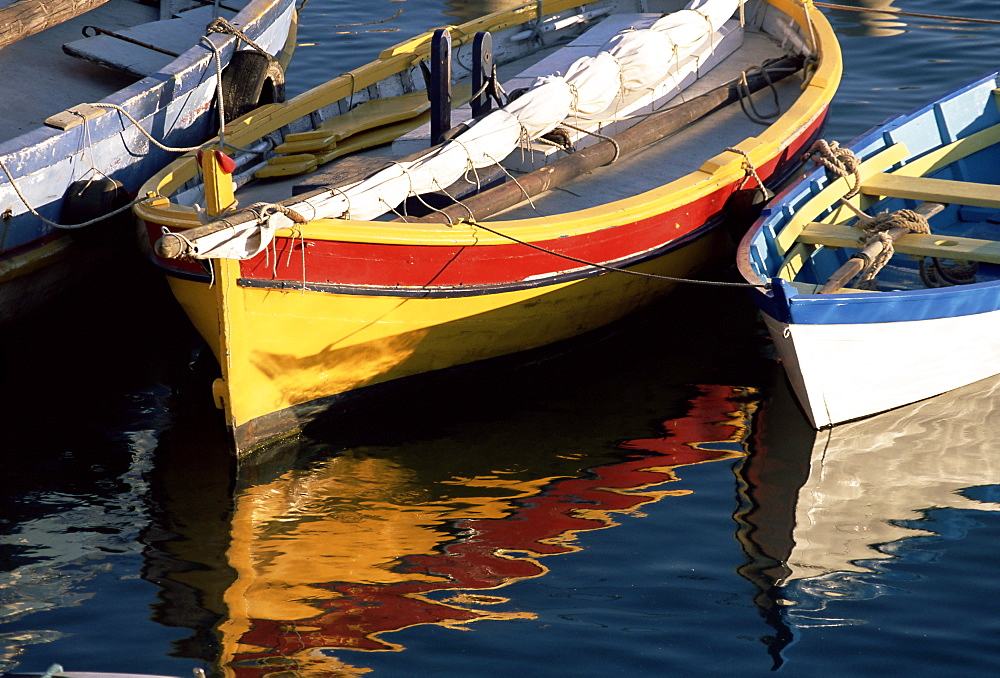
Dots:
pixel 855 265
pixel 649 130
pixel 26 17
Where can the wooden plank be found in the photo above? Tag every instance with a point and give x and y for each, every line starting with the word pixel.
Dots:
pixel 26 17
pixel 369 115
pixel 945 191
pixel 836 189
pixel 365 116
pixel 146 48
pixel 945 155
pixel 917 244
pixel 285 165
pixel 77 115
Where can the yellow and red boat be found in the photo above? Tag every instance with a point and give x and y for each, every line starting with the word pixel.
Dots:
pixel 357 262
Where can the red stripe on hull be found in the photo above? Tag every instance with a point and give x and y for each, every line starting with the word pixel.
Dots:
pixel 368 264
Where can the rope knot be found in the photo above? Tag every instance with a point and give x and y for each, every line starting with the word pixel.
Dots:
pixel 876 229
pixel 837 160
pixel 220 25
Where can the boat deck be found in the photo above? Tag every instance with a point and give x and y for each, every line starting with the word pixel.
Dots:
pixel 677 155
pixel 659 164
pixel 41 80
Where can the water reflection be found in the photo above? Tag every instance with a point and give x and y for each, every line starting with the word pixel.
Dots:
pixel 821 522
pixel 872 23
pixel 338 553
pixel 473 9
pixel 78 440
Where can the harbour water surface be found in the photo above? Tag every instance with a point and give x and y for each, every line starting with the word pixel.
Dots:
pixel 644 501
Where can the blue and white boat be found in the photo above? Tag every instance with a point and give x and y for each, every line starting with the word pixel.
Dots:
pixel 96 102
pixel 928 320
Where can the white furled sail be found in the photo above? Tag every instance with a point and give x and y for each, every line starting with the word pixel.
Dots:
pixel 634 60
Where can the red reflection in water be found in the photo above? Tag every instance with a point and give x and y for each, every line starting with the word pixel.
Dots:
pixel 491 553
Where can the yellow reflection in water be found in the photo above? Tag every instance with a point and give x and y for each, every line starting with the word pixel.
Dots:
pixel 334 555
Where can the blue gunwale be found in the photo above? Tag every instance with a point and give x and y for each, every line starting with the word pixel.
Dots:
pixel 964 111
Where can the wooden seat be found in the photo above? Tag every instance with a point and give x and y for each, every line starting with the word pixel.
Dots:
pixel 916 244
pixel 366 116
pixel 944 191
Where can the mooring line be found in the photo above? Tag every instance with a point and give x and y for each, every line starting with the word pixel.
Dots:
pixel 612 269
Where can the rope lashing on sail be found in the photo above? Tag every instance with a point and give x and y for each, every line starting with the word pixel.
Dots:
pixel 837 160
pixel 262 213
pixel 876 229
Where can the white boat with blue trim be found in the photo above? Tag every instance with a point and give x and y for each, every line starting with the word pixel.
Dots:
pixel 878 274
pixel 101 94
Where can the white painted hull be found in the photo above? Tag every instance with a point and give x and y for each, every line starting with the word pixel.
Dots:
pixel 845 372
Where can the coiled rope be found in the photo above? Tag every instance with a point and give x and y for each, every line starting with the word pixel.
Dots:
pixel 875 229
pixel 843 162
pixel 839 161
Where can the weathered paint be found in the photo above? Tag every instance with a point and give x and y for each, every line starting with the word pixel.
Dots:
pixel 175 106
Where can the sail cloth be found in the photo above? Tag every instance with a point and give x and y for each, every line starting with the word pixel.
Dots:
pixel 634 60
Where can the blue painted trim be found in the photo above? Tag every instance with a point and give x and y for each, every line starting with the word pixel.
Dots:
pixel 859 308
pixel 958 114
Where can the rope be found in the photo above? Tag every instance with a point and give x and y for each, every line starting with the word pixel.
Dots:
pixel 263 210
pixel 612 269
pixel 153 140
pixel 188 245
pixel 220 25
pixel 66 227
pixel 935 274
pixel 743 91
pixel 875 230
pixel 370 23
pixel 750 170
pixel 898 12
pixel 536 25
pixel 840 161
pixel 599 136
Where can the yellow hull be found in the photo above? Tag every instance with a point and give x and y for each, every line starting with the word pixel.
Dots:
pixel 291 353
pixel 376 301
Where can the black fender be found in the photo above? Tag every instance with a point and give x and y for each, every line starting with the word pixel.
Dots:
pixel 742 208
pixel 89 199
pixel 251 80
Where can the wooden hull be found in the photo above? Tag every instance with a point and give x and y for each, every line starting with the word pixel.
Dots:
pixel 855 353
pixel 339 306
pixel 175 105
pixel 303 350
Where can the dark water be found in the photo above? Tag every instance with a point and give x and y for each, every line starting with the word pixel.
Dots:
pixel 636 502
